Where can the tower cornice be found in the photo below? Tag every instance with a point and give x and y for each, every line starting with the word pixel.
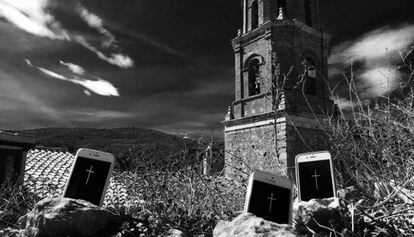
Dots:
pixel 266 29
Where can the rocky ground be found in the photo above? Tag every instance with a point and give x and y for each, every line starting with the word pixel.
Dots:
pixel 62 217
pixel 68 217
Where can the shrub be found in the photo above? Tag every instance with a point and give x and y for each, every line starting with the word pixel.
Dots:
pixel 183 200
pixel 15 201
pixel 373 148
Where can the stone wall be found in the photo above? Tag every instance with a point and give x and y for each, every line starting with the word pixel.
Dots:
pixel 293 41
pixel 302 140
pixel 295 9
pixel 254 148
pixel 243 53
pixel 253 145
pixel 251 139
pixel 290 42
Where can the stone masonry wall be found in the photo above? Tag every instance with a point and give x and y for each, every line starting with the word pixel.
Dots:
pixel 255 148
pixel 302 140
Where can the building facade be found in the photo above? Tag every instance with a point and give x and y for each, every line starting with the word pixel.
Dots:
pixel 281 96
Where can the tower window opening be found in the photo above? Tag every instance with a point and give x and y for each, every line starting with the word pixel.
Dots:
pixel 254 78
pixel 255 14
pixel 308 12
pixel 282 4
pixel 310 76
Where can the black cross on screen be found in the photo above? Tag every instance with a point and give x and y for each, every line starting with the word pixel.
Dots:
pixel 270 202
pixel 315 180
pixel 88 180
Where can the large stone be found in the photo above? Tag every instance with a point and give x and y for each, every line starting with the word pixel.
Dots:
pixel 319 215
pixel 247 224
pixel 62 217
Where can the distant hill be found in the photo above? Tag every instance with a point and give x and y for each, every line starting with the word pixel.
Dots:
pixel 132 147
pixel 101 139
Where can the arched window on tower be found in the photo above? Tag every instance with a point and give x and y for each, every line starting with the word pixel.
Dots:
pixel 310 76
pixel 254 77
pixel 308 12
pixel 282 4
pixel 255 14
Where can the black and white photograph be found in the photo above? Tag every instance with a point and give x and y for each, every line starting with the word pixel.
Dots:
pixel 124 118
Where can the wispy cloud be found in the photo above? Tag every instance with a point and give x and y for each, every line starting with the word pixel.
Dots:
pixel 87 93
pixel 99 87
pixel 373 45
pixel 52 74
pixel 76 69
pixel 150 40
pixel 32 17
pixel 379 81
pixel 96 22
pixel 115 58
pixel 378 53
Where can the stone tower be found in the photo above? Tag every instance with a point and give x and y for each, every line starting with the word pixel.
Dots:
pixel 280 87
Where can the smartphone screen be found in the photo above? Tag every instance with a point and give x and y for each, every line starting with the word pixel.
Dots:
pixel 315 180
pixel 88 180
pixel 270 202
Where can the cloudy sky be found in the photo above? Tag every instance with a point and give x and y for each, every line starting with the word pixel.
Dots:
pixel 167 64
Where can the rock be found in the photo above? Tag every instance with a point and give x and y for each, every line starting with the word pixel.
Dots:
pixel 247 224
pixel 68 217
pixel 316 215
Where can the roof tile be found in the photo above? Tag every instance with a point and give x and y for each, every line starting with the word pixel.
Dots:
pixel 47 172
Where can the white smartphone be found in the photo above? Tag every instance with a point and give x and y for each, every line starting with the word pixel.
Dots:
pixel 89 176
pixel 315 176
pixel 270 197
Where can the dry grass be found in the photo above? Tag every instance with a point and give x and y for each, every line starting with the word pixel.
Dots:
pixel 373 148
pixel 158 202
pixel 183 200
pixel 15 201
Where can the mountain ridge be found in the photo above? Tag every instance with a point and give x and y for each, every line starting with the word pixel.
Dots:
pixel 129 145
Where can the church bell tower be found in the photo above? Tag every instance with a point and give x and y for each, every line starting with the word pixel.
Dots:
pixel 281 95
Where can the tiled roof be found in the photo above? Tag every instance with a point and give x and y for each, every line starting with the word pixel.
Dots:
pixel 47 172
